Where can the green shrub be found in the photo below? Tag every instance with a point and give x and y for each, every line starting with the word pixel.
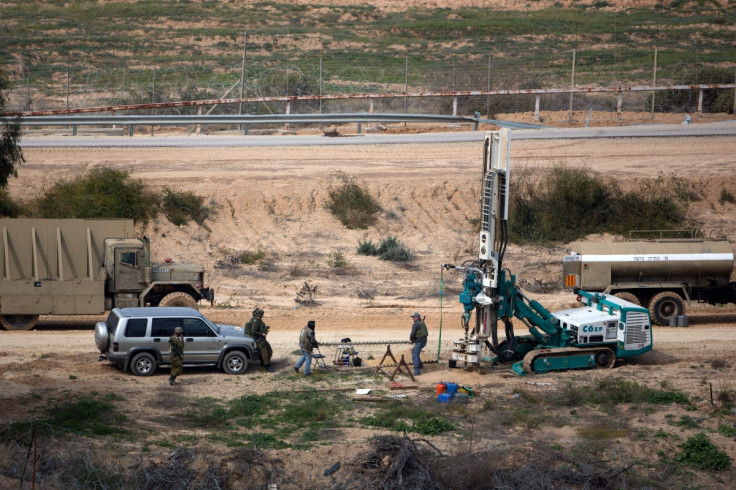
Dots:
pixel 700 453
pixel 337 260
pixel 99 193
pixel 367 247
pixel 570 203
pixel 87 414
pixel 8 207
pixel 350 203
pixel 250 258
pixel 181 206
pixel 726 196
pixel 393 250
pixel 727 430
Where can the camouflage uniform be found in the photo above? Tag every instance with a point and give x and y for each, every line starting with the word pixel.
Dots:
pixel 418 336
pixel 307 343
pixel 256 328
pixel 176 354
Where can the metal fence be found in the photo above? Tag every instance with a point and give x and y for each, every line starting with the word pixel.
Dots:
pixel 515 89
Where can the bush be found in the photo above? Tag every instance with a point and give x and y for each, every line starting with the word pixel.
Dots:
pixel 100 193
pixel 250 258
pixel 726 196
pixel 337 260
pixel 699 452
pixel 8 207
pixel 393 250
pixel 367 247
pixel 181 206
pixel 350 203
pixel 571 203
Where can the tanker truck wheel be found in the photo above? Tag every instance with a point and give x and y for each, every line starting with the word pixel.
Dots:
pixel 630 297
pixel 18 322
pixel 665 305
pixel 178 298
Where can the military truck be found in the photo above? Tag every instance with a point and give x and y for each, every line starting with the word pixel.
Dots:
pixel 661 274
pixel 85 267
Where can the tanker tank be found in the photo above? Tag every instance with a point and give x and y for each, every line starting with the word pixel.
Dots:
pixel 660 274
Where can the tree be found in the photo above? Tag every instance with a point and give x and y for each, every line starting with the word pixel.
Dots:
pixel 11 155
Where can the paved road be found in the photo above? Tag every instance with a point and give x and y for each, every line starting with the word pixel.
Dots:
pixel 645 130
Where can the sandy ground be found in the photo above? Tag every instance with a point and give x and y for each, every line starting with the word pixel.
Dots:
pixel 272 199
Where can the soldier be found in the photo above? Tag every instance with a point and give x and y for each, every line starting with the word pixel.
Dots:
pixel 176 354
pixel 418 336
pixel 258 330
pixel 307 343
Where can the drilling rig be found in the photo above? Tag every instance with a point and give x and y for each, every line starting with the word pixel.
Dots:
pixel 604 329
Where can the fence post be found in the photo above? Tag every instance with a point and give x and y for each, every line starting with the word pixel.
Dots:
pixel 320 85
pixel 406 85
pixel 288 111
pixel 572 83
pixel 242 79
pixel 700 102
pixel 454 106
pixel 619 103
pixel 488 87
pixel 654 81
pixel 370 105
pixel 536 107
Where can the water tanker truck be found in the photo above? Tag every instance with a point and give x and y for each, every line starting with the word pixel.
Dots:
pixel 662 274
pixel 85 267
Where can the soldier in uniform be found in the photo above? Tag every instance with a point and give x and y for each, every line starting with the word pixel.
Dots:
pixel 307 343
pixel 176 354
pixel 258 330
pixel 418 336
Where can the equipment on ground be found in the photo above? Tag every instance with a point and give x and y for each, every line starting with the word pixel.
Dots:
pixel 661 274
pixel 85 267
pixel 319 358
pixel 595 335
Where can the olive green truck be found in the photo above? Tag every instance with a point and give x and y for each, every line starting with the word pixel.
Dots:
pixel 85 267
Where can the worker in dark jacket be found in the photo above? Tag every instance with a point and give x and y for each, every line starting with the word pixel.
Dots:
pixel 258 330
pixel 418 336
pixel 176 354
pixel 307 343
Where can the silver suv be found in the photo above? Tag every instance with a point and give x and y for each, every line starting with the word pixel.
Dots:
pixel 138 339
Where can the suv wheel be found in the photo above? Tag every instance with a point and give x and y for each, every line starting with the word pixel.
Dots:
pixel 235 362
pixel 143 364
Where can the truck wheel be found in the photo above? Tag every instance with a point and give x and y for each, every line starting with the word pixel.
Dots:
pixel 630 297
pixel 18 322
pixel 665 305
pixel 143 364
pixel 178 298
pixel 235 362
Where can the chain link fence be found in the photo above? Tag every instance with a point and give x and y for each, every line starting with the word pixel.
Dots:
pixel 90 80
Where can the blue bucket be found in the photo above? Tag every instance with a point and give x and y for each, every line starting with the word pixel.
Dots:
pixel 443 398
pixel 451 389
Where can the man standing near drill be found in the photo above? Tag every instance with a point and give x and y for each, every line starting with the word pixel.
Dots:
pixel 258 330
pixel 176 354
pixel 307 343
pixel 418 336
